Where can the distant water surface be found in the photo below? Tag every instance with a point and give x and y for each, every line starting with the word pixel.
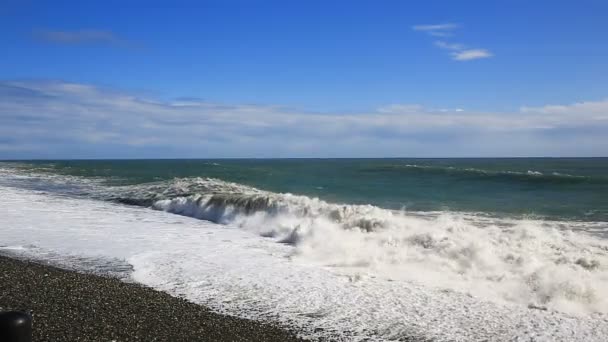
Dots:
pixel 560 188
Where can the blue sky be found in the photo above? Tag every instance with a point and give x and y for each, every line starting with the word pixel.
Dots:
pixel 303 79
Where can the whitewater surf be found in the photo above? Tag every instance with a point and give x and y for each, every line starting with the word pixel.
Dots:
pixel 330 269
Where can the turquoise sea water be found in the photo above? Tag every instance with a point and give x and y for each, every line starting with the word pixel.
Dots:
pixel 555 188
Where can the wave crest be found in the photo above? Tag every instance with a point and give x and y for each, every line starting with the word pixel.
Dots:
pixel 526 176
pixel 540 264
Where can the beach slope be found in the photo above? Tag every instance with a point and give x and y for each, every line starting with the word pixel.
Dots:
pixel 71 306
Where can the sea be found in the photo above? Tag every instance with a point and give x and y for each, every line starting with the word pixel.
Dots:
pixel 336 249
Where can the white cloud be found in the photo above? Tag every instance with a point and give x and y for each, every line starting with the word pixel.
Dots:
pixel 459 51
pixel 401 108
pixel 597 109
pixel 437 27
pixel 50 117
pixel 438 30
pixel 449 46
pixel 468 55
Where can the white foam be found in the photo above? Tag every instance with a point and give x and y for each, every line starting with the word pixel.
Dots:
pixel 320 282
pixel 529 262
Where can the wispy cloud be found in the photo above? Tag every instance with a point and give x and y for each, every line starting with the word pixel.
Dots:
pixel 62 119
pixel 449 46
pixel 81 37
pixel 438 30
pixel 595 109
pixel 460 52
pixel 468 55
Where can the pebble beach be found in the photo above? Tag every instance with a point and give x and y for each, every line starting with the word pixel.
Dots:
pixel 72 306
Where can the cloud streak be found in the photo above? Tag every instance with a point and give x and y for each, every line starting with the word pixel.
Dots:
pixel 468 55
pixel 449 46
pixel 437 30
pixel 459 52
pixel 80 37
pixel 70 120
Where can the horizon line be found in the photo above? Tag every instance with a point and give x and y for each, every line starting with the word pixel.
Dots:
pixel 292 158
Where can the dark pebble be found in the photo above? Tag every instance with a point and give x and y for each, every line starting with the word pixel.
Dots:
pixel 71 306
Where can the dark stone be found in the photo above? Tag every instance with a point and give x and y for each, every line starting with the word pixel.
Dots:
pixel 15 326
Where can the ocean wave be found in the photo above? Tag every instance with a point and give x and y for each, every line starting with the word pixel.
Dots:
pixel 527 176
pixel 234 272
pixel 537 263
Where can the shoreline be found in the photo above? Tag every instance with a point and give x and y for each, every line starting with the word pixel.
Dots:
pixel 71 306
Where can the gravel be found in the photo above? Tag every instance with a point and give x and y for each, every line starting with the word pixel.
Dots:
pixel 71 306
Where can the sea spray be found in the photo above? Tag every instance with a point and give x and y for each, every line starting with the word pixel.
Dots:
pixel 548 264
pixel 236 272
pixel 530 262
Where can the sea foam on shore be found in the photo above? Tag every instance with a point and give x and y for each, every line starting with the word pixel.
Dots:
pixel 71 306
pixel 237 272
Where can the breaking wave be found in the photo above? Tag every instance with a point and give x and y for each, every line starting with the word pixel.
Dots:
pixel 546 265
pixel 541 264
